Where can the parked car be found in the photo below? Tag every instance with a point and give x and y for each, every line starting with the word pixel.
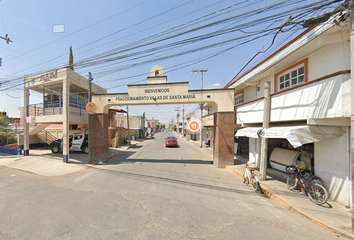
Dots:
pixel 77 142
pixel 171 142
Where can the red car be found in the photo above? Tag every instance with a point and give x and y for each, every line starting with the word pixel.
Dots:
pixel 171 142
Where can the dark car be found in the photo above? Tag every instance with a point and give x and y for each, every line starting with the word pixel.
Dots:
pixel 171 142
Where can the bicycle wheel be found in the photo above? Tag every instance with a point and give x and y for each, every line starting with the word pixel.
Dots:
pixel 317 194
pixel 291 182
pixel 254 182
pixel 245 177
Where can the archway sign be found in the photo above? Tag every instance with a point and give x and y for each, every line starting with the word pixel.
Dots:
pixel 158 91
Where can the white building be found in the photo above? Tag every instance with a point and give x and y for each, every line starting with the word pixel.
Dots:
pixel 65 95
pixel 310 87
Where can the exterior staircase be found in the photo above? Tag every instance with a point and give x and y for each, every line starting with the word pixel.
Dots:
pixel 46 136
pixel 38 128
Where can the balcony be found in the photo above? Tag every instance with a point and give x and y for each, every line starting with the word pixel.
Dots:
pixel 316 100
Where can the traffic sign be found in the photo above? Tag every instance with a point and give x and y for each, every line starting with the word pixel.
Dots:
pixel 194 125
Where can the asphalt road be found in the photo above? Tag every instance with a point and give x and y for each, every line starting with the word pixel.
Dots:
pixel 148 192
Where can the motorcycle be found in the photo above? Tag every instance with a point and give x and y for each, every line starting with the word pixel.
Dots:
pixel 207 142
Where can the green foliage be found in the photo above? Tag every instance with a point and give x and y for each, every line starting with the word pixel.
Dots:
pixel 7 137
pixel 2 121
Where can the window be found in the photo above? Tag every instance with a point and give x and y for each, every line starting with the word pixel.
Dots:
pixel 238 98
pixel 292 76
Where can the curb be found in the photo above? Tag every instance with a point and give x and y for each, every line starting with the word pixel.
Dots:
pixel 115 154
pixel 109 157
pixel 211 157
pixel 270 193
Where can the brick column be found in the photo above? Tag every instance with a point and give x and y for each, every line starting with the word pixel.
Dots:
pixel 223 139
pixel 100 124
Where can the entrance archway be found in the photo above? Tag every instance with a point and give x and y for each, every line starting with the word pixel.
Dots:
pixel 158 91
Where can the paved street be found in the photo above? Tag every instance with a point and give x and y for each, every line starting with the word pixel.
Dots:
pixel 147 192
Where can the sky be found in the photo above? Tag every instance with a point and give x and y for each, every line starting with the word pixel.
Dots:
pixel 219 35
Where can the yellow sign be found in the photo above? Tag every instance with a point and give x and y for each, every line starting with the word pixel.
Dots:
pixel 91 108
pixel 0 114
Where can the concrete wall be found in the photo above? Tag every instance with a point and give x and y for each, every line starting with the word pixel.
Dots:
pixel 134 121
pixel 254 146
pixel 332 164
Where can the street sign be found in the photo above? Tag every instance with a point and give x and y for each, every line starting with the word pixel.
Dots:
pixel 194 125
pixel 91 108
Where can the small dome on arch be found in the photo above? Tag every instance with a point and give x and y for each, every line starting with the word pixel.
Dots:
pixel 156 71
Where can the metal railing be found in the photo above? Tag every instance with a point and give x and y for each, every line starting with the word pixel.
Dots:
pixel 55 108
pixel 46 136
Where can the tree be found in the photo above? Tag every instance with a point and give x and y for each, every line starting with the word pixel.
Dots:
pixel 7 137
pixel 71 59
pixel 3 121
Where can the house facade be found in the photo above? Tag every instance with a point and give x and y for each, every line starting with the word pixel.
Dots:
pixel 135 125
pixel 310 98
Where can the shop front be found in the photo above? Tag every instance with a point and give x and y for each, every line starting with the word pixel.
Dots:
pixel 323 149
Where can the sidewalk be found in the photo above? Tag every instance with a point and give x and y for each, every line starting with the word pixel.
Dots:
pixel 43 162
pixel 332 216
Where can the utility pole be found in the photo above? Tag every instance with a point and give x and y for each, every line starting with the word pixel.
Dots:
pixel 183 122
pixel 6 38
pixel 351 11
pixel 201 105
pixel 144 125
pixel 264 141
pixel 177 110
pixel 128 125
pixel 90 119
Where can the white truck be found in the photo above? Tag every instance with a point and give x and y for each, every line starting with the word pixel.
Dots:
pixel 77 142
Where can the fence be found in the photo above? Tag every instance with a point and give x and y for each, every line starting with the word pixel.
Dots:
pixel 12 151
pixel 55 108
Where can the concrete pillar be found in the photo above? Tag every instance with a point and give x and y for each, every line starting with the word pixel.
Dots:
pixel 223 139
pixel 66 95
pixel 264 141
pixel 25 124
pixel 100 124
pixel 351 11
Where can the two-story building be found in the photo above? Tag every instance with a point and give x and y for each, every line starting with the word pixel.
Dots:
pixel 310 103
pixel 65 95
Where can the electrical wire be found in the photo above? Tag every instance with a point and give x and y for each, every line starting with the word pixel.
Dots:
pixel 155 50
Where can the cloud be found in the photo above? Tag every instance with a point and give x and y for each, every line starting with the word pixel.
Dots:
pixel 214 85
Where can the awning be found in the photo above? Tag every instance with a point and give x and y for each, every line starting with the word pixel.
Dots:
pixel 251 132
pixel 299 135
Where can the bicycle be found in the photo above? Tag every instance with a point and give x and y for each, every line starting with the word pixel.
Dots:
pixel 250 178
pixel 310 183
